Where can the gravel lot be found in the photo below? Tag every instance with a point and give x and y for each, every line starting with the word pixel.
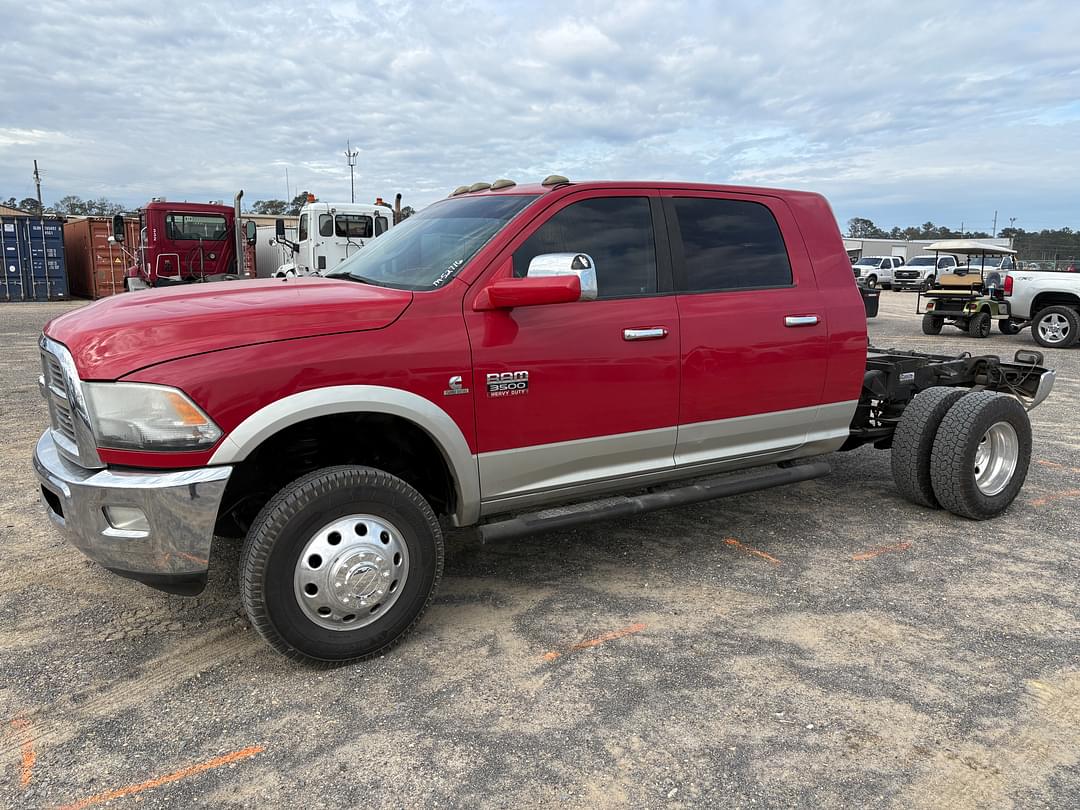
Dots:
pixel 824 645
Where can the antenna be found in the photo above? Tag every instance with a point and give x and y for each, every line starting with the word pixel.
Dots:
pixel 350 157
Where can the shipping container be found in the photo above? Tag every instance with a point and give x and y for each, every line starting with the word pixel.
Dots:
pixel 96 267
pixel 33 256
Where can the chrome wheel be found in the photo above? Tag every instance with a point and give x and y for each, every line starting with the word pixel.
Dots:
pixel 351 572
pixel 1054 328
pixel 996 457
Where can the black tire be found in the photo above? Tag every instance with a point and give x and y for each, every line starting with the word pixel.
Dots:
pixel 1068 334
pixel 1009 327
pixel 928 282
pixel 931 324
pixel 978 326
pixel 871 281
pixel 913 442
pixel 296 514
pixel 952 462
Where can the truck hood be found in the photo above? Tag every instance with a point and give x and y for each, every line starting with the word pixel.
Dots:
pixel 130 331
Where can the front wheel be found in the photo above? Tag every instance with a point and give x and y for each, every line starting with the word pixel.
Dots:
pixel 928 282
pixel 340 565
pixel 871 281
pixel 931 324
pixel 1056 327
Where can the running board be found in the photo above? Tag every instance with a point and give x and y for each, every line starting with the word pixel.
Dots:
pixel 705 489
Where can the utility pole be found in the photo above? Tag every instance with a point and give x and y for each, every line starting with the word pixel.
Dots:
pixel 37 182
pixel 994 231
pixel 350 157
pixel 961 229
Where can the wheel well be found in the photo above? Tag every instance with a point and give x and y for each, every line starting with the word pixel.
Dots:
pixel 386 442
pixel 1051 299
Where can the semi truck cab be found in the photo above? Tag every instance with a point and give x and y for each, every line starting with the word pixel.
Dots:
pixel 329 233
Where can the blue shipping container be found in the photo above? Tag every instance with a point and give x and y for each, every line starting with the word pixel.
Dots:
pixel 33 256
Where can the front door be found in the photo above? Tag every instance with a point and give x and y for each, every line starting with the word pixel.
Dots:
pixel 574 397
pixel 754 332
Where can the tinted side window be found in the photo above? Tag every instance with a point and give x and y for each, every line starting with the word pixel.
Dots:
pixel 302 235
pixel 616 231
pixel 730 245
pixel 326 225
pixel 381 224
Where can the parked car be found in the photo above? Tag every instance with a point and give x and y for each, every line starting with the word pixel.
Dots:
pixel 503 352
pixel 1047 302
pixel 922 271
pixel 877 271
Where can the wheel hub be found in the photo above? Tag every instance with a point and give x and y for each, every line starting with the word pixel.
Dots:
pixel 1053 328
pixel 351 572
pixel 996 458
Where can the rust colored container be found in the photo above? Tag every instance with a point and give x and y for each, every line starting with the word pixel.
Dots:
pixel 96 267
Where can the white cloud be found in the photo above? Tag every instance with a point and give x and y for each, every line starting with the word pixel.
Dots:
pixel 898 111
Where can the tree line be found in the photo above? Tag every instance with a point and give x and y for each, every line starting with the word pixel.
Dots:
pixel 74 206
pixel 1048 243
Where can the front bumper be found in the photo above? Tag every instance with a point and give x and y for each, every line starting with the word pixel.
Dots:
pixel 171 551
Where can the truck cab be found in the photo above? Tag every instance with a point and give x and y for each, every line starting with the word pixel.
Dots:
pixel 328 233
pixel 182 243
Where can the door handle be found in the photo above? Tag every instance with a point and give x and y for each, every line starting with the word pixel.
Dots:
pixel 801 320
pixel 652 333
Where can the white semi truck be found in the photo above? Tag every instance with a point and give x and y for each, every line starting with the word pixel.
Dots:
pixel 330 232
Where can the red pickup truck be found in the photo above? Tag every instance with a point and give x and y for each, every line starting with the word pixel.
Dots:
pixel 513 358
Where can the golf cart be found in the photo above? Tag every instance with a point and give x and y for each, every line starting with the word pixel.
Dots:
pixel 971 296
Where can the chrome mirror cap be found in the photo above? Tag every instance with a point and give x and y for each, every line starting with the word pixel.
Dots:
pixel 567 264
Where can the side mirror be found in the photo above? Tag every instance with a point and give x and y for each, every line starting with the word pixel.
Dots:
pixel 576 265
pixel 251 231
pixel 553 278
pixel 279 229
pixel 118 228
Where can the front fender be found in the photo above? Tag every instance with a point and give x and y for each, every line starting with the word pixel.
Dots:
pixel 433 420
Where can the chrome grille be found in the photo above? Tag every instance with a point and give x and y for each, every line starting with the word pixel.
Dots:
pixel 56 392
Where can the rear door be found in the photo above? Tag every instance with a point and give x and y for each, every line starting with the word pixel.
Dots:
pixel 752 325
pixel 595 394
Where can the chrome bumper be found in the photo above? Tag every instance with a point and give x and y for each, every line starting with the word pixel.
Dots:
pixel 171 551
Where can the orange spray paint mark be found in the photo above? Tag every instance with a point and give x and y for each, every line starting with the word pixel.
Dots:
pixel 877 552
pixel 731 541
pixel 1069 493
pixel 594 642
pixel 26 748
pixel 183 773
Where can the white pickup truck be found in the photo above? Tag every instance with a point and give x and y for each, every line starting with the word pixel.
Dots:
pixel 1048 302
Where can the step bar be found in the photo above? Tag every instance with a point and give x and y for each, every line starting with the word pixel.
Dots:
pixel 704 489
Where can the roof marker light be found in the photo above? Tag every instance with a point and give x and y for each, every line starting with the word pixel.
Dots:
pixel 502 182
pixel 479 186
pixel 555 180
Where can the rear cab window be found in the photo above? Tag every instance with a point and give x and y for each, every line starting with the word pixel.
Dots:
pixel 728 244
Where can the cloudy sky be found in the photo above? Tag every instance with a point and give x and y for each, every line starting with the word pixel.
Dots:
pixel 902 112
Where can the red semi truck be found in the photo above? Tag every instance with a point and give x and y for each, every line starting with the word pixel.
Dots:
pixel 181 243
pixel 617 347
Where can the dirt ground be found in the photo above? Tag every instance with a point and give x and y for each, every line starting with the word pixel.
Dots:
pixel 824 645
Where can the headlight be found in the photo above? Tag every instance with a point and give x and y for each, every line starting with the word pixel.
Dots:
pixel 137 416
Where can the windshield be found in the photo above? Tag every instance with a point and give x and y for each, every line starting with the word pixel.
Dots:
pixel 429 248
pixel 869 261
pixel 919 260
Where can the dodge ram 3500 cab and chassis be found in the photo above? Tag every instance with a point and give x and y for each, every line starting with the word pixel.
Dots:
pixel 617 347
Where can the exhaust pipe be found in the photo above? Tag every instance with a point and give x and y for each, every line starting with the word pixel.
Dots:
pixel 397 208
pixel 238 236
